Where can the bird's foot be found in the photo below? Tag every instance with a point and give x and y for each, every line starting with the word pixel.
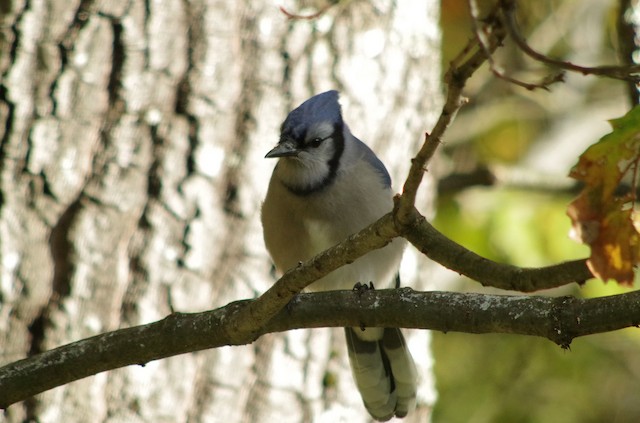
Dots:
pixel 363 287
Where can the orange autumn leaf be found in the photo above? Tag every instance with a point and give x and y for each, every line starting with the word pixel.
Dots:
pixel 605 221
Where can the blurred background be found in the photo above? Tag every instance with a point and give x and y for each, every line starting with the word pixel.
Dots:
pixel 503 193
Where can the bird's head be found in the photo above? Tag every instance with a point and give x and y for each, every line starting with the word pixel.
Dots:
pixel 311 144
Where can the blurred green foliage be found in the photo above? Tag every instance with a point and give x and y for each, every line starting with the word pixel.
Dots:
pixel 521 228
pixel 503 378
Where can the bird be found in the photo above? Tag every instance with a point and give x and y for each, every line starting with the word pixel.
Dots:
pixel 325 186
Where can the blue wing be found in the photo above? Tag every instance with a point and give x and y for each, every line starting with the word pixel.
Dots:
pixel 370 157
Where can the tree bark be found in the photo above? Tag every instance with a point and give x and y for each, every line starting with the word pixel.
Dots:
pixel 131 176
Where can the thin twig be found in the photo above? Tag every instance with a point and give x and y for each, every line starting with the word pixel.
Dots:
pixel 495 69
pixel 295 16
pixel 625 73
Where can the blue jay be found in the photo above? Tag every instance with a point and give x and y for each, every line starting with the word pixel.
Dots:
pixel 327 185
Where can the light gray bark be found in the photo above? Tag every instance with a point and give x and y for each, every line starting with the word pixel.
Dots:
pixel 131 176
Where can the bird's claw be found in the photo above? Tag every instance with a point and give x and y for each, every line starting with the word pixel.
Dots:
pixel 362 287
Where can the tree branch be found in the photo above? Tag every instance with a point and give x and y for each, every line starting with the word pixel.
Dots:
pixel 460 70
pixel 419 232
pixel 249 320
pixel 558 319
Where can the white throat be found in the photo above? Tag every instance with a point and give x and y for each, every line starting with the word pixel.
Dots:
pixel 299 174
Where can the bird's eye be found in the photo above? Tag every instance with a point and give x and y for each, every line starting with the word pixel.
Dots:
pixel 315 143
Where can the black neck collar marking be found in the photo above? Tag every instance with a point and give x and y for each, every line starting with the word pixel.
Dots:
pixel 338 143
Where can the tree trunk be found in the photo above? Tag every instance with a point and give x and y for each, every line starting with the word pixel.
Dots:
pixel 132 175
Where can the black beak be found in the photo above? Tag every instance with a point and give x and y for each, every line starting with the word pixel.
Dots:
pixel 283 149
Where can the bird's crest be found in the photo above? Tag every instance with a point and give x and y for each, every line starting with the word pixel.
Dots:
pixel 322 107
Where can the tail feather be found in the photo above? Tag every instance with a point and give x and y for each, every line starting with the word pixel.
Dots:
pixel 403 369
pixel 384 372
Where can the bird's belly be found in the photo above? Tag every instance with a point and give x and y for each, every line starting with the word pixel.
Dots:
pixel 378 266
pixel 300 239
pixel 321 235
